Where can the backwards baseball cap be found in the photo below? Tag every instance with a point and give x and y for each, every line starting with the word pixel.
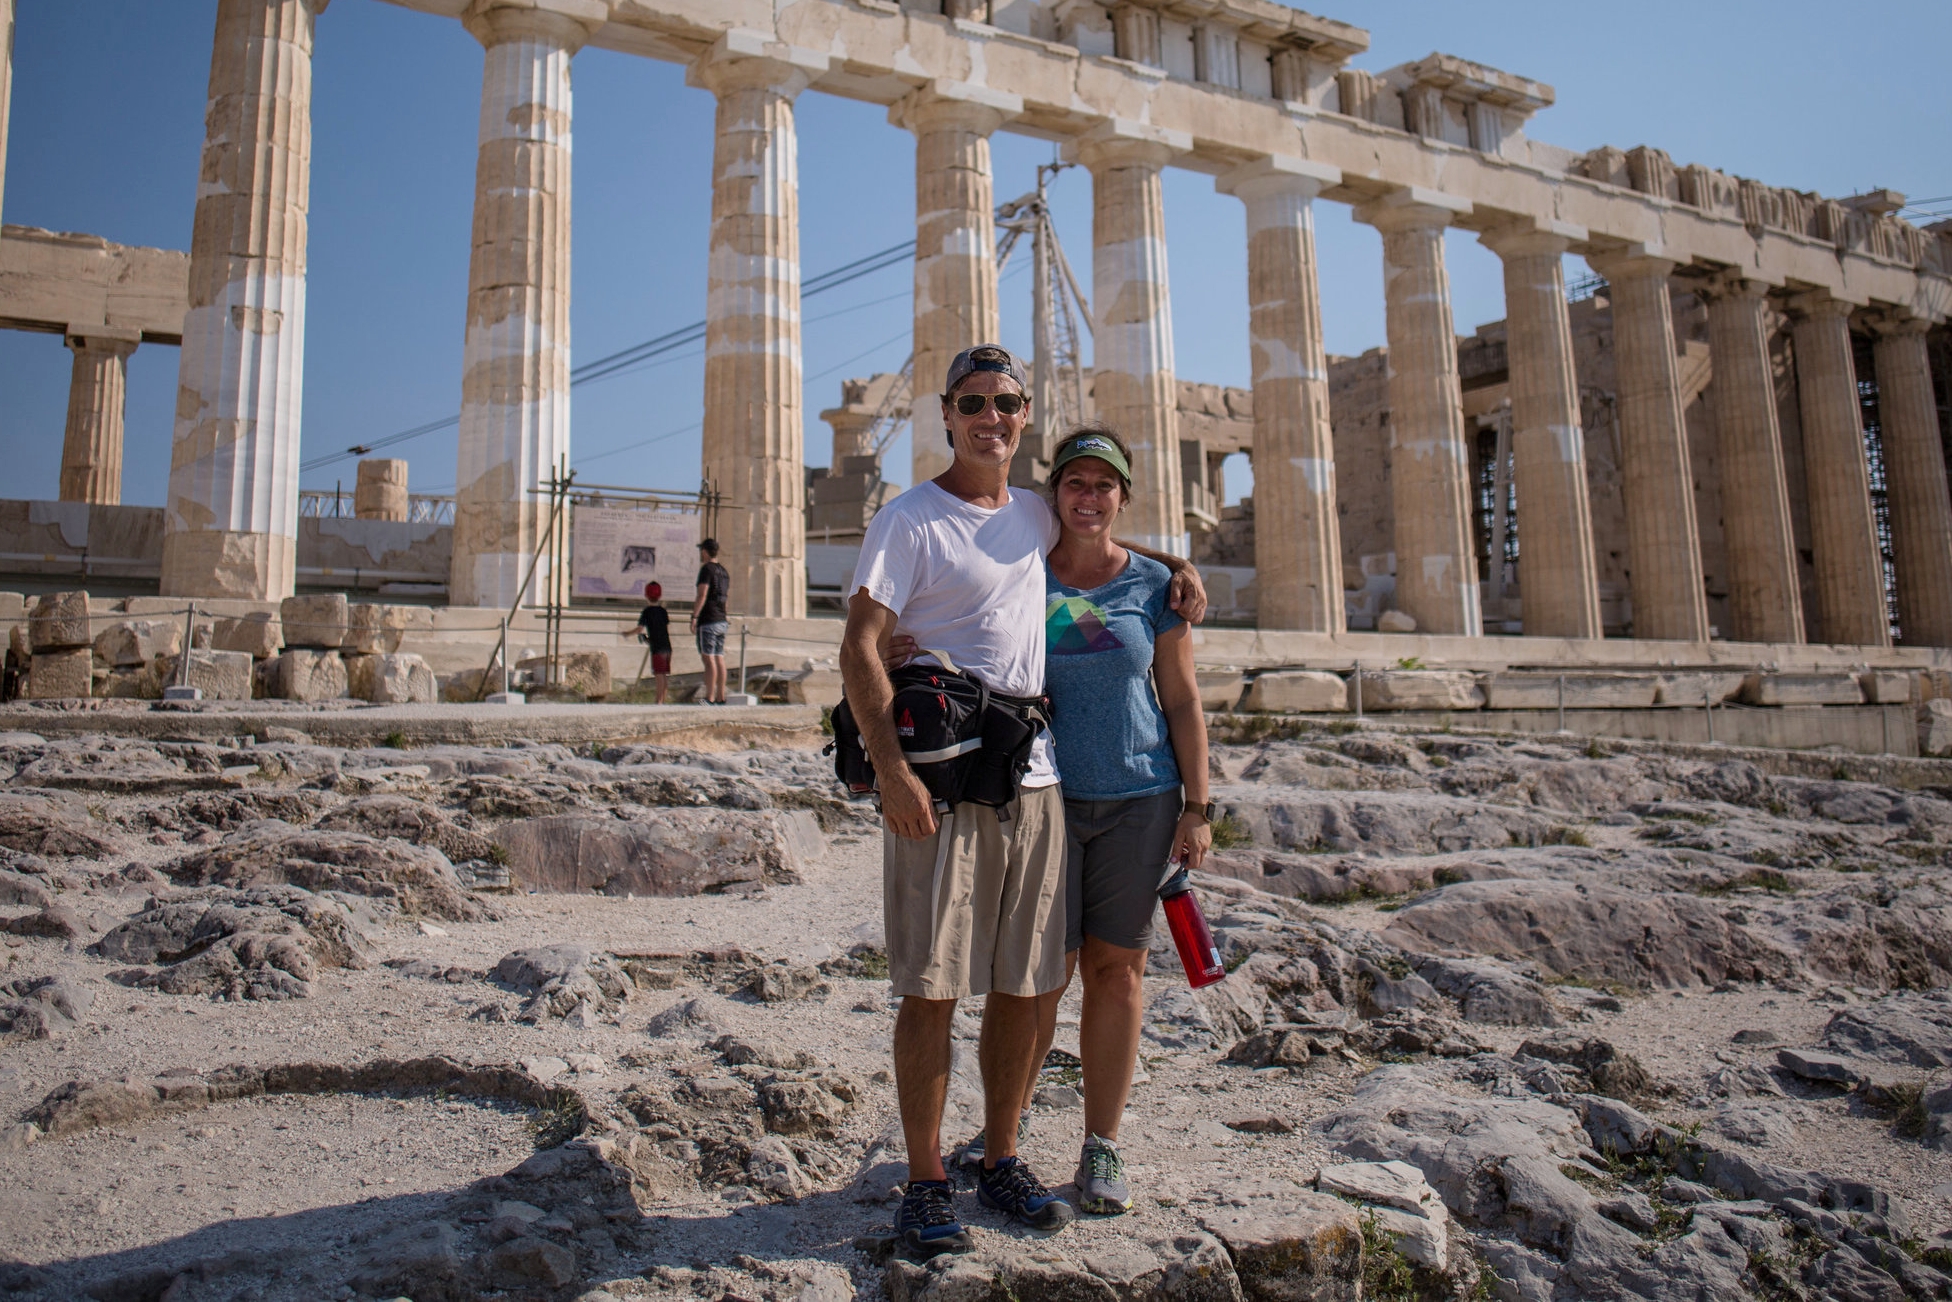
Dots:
pixel 1091 444
pixel 985 357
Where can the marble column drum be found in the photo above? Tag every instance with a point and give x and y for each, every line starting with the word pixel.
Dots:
pixel 955 253
pixel 1914 479
pixel 1297 536
pixel 1429 465
pixel 1133 388
pixel 1663 537
pixel 754 432
pixel 230 521
pixel 516 359
pixel 1557 573
pixel 1850 598
pixel 91 447
pixel 1765 599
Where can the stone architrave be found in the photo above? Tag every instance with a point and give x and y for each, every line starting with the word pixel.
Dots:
pixel 1850 595
pixel 1133 388
pixel 515 362
pixel 955 243
pixel 1297 536
pixel 91 449
pixel 1557 571
pixel 1765 600
pixel 753 445
pixel 1429 466
pixel 230 521
pixel 1914 475
pixel 1663 539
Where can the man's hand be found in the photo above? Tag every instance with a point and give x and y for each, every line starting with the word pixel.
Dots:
pixel 1187 595
pixel 907 808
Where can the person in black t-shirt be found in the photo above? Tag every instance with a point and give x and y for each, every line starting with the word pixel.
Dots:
pixel 709 623
pixel 654 630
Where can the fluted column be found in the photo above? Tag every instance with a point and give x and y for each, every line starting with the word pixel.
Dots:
pixel 6 88
pixel 955 245
pixel 1663 539
pixel 1297 537
pixel 1429 464
pixel 1557 572
pixel 1914 478
pixel 1765 600
pixel 754 433
pixel 1843 528
pixel 91 449
pixel 1133 389
pixel 515 362
pixel 230 522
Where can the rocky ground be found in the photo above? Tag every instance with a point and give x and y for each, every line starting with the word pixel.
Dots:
pixel 1525 1018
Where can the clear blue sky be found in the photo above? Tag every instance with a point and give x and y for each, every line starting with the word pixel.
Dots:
pixel 108 101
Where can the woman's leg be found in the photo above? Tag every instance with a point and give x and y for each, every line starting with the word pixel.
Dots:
pixel 1114 1002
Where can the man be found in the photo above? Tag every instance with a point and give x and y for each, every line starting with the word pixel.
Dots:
pixel 973 903
pixel 654 631
pixel 708 619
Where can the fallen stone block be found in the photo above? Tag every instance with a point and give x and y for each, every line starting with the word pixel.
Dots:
pixel 373 628
pixel 586 673
pixel 1298 691
pixel 1403 1204
pixel 222 675
pixel 1935 727
pixel 133 643
pixel 305 675
pixel 1885 686
pixel 814 687
pixel 1396 621
pixel 1801 689
pixel 1219 688
pixel 684 852
pixel 316 620
pixel 1421 689
pixel 1304 1247
pixel 258 635
pixel 1698 689
pixel 58 622
pixel 1815 1065
pixel 61 675
pixel 390 679
pixel 1582 691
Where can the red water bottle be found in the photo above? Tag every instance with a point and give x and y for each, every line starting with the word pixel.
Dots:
pixel 1194 939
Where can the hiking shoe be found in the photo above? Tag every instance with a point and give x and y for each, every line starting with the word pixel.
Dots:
pixel 1101 1179
pixel 1010 1187
pixel 927 1224
pixel 972 1153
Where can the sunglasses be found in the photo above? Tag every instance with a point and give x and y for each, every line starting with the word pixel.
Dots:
pixel 1007 404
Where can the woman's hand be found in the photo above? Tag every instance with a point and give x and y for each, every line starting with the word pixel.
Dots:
pixel 898 651
pixel 1191 840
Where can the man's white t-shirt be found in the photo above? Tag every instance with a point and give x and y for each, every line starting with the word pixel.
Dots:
pixel 969 582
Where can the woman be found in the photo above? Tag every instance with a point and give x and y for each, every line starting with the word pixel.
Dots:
pixel 1131 751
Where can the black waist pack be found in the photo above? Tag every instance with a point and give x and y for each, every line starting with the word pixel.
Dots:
pixel 964 742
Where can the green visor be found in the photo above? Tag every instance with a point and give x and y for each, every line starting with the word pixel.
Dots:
pixel 1091 445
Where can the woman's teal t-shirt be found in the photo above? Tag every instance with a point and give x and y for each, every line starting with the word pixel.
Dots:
pixel 1111 734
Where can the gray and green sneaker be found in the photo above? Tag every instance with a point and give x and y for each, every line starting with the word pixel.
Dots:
pixel 973 1152
pixel 1101 1179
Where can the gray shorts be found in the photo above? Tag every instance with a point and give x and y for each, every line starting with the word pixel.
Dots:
pixel 1115 862
pixel 711 639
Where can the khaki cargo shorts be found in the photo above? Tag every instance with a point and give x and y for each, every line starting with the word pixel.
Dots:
pixel 971 910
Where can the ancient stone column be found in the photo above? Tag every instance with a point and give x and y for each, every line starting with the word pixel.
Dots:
pixel 1429 464
pixel 754 430
pixel 1914 476
pixel 1663 539
pixel 1297 538
pixel 1765 601
pixel 230 522
pixel 1557 573
pixel 1133 389
pixel 1843 528
pixel 955 246
pixel 91 450
pixel 6 88
pixel 380 492
pixel 515 361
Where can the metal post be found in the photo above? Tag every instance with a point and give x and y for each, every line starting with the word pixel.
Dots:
pixel 503 654
pixel 1358 683
pixel 1562 702
pixel 743 629
pixel 1708 708
pixel 189 644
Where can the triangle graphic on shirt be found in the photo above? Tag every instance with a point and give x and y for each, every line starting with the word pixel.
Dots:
pixel 1075 627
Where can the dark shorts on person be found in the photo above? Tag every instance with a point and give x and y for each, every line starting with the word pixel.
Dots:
pixel 1115 860
pixel 660 662
pixel 711 639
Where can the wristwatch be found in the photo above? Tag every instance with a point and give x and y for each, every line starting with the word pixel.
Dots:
pixel 1205 810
